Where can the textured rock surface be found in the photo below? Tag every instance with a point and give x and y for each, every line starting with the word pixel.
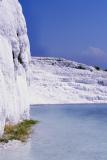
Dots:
pixel 14 64
pixel 56 80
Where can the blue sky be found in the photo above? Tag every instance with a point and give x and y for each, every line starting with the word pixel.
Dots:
pixel 74 29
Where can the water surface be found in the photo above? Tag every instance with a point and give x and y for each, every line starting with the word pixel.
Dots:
pixel 65 132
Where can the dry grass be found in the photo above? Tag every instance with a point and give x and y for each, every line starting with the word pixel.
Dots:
pixel 20 131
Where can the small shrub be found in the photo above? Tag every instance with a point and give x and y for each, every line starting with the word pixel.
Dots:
pixel 80 67
pixel 53 64
pixel 59 59
pixel 19 131
pixel 97 68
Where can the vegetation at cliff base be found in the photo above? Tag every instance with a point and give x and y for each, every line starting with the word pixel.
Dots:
pixel 20 131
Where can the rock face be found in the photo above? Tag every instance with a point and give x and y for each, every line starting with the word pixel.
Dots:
pixel 14 64
pixel 57 80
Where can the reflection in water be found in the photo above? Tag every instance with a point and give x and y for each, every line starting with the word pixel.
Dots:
pixel 65 132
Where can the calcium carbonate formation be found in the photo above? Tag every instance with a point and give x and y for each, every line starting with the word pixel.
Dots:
pixel 14 64
pixel 65 81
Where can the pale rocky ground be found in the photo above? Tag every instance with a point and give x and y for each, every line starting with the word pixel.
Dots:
pixel 58 81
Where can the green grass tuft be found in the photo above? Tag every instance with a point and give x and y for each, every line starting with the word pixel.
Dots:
pixel 20 131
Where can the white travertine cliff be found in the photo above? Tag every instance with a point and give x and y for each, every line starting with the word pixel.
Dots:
pixel 14 64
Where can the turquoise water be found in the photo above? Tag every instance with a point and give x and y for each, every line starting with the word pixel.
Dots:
pixel 65 132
